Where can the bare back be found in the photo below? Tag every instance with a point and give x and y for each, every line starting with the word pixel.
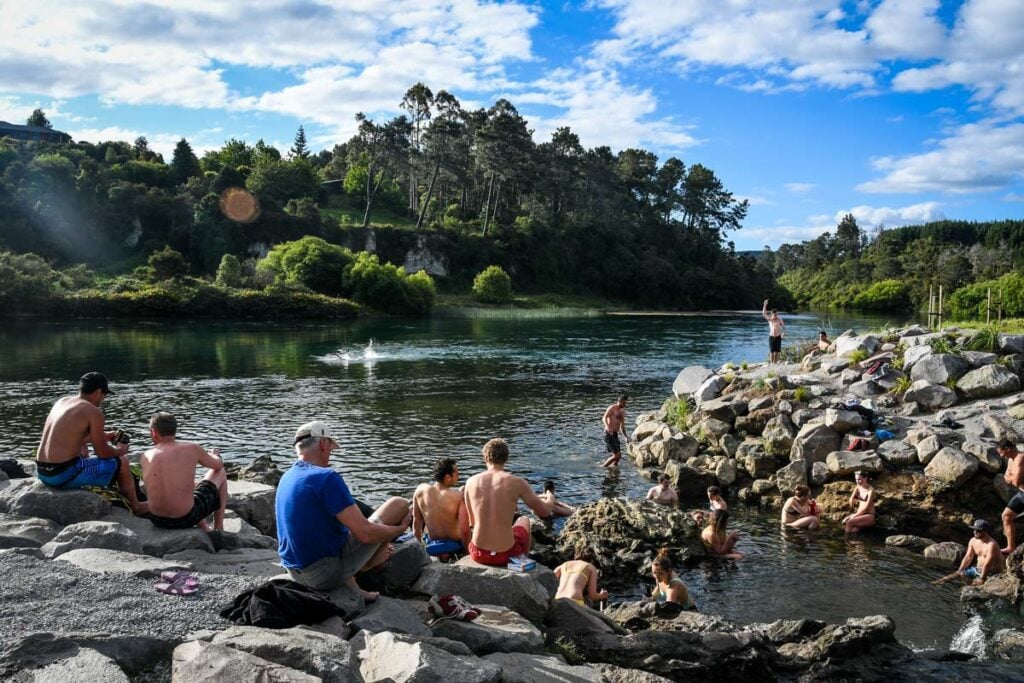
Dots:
pixel 492 498
pixel 1015 470
pixel 69 427
pixel 573 579
pixel 169 473
pixel 439 507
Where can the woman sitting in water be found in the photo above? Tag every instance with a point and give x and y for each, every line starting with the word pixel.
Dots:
pixel 717 541
pixel 575 577
pixel 800 512
pixel 669 587
pixel 862 500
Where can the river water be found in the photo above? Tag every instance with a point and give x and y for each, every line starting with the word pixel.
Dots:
pixel 442 387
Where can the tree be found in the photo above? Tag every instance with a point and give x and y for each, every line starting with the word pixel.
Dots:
pixel 184 164
pixel 299 150
pixel 381 151
pixel 167 264
pixel 438 142
pixel 229 272
pixel 504 150
pixel 417 102
pixel 707 206
pixel 38 118
pixel 492 285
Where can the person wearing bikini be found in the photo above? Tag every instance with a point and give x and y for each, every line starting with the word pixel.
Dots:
pixel 800 512
pixel 668 586
pixel 862 501
pixel 577 577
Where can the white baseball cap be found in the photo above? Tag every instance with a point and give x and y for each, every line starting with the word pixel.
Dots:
pixel 315 428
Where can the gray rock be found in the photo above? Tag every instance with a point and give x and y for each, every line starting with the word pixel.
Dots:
pixel 726 472
pixel 159 542
pixel 845 463
pixel 85 665
pixel 525 668
pixel 388 614
pixel 318 654
pixel 30 498
pixel 843 421
pixel 1011 343
pixel 255 504
pixel 988 381
pixel 690 379
pixel 820 474
pixel 105 535
pixel 930 396
pixel 520 592
pixel 709 389
pixel 1008 643
pixel 866 388
pixel 243 562
pixel 986 454
pixel 927 448
pixel 760 403
pixel 898 453
pixel 939 368
pixel 801 418
pixel 387 657
pixel 26 532
pixel 617 674
pixel 778 435
pixel 946 553
pixel 679 448
pixel 847 346
pixel 200 661
pixel 834 367
pixel 646 429
pixel 496 630
pixel 952 466
pixel 755 460
pixel 729 444
pixel 100 561
pixel 999 429
pixel 792 475
pixel 849 376
pixel 715 428
pixel 405 565
pixel 726 409
pixel 813 443
pixel 908 542
pixel 980 358
pixel 914 354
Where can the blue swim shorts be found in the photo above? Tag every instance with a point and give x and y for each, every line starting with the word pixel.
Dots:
pixel 972 573
pixel 78 472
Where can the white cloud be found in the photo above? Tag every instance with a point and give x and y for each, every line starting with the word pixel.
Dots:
pixel 1013 197
pixel 800 188
pixel 871 216
pixel 867 217
pixel 975 157
pixel 753 200
pixel 161 142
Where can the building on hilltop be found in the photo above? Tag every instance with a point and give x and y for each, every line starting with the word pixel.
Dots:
pixel 37 133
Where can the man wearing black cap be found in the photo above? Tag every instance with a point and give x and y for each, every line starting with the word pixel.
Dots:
pixel 985 549
pixel 62 460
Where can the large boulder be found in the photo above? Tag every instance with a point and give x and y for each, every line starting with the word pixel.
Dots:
pixel 1011 343
pixel 952 466
pixel 792 475
pixel 200 661
pixel 85 664
pixel 897 453
pixel 947 553
pixel 845 463
pixel 814 442
pixel 34 499
pixel 914 354
pixel 26 532
pixel 726 472
pixel 986 454
pixel 405 565
pixel 843 421
pixel 535 668
pixel 754 422
pixel 518 591
pixel 263 562
pixel 980 358
pixel 867 388
pixel 847 346
pixel 755 460
pixel 709 389
pixel 106 535
pixel 388 614
pixel 496 630
pixel 159 542
pixel 1000 429
pixel 778 435
pixel 100 561
pixel 690 483
pixel 929 396
pixel 646 429
pixel 388 657
pixel 318 654
pixel 988 381
pixel 908 542
pixel 939 368
pixel 254 503
pixel 678 447
pixel 690 379
pixel 726 409
pixel 262 470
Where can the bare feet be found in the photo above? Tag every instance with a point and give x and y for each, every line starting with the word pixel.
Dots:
pixel 1006 551
pixel 383 554
pixel 369 596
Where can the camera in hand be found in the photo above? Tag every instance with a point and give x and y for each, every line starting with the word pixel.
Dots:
pixel 122 437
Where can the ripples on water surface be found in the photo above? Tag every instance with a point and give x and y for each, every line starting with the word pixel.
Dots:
pixel 442 387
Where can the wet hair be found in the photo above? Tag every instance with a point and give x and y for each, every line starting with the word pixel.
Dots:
pixel 802 491
pixel 719 520
pixel 623 397
pixel 549 486
pixel 662 561
pixel 1006 445
pixel 714 491
pixel 164 424
pixel 496 451
pixel 582 551
pixel 774 311
pixel 664 477
pixel 822 333
pixel 443 467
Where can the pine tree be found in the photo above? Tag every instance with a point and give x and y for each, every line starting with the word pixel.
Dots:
pixel 184 163
pixel 299 149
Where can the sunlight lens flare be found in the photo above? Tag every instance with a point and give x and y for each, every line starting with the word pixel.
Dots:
pixel 239 205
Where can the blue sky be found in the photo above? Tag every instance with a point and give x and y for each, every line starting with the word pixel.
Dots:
pixel 898 111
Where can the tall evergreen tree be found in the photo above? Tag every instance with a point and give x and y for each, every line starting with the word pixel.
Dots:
pixel 299 149
pixel 38 118
pixel 184 164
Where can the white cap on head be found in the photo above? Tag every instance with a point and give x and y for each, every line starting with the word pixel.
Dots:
pixel 315 428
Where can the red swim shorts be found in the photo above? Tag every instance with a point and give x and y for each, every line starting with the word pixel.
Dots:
pixel 491 557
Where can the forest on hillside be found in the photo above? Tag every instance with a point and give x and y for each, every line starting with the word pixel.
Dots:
pixel 894 270
pixel 556 216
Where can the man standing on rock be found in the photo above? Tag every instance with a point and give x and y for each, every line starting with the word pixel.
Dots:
pixel 492 498
pixel 62 460
pixel 776 331
pixel 323 538
pixel 176 501
pixel 1014 476
pixel 439 509
pixel 614 422
pixel 985 549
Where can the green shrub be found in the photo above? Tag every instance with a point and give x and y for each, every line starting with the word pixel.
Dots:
pixel 229 272
pixel 310 262
pixel 801 394
pixel 858 356
pixel 492 286
pixel 25 282
pixel 166 264
pixel 386 287
pixel 884 295
pixel 987 339
pixel 971 302
pixel 900 387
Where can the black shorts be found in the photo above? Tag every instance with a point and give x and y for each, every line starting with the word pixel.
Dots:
pixel 611 442
pixel 205 501
pixel 1017 503
pixel 774 344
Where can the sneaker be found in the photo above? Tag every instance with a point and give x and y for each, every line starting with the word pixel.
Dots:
pixel 451 607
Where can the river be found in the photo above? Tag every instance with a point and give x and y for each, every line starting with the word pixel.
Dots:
pixel 442 387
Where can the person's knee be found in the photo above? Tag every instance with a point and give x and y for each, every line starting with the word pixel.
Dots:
pixel 1009 515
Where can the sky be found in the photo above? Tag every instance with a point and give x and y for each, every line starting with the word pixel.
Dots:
pixel 897 111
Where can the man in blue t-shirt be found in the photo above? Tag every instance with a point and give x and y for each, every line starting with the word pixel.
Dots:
pixel 323 538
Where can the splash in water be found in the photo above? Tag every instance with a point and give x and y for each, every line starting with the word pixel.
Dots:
pixel 369 353
pixel 970 639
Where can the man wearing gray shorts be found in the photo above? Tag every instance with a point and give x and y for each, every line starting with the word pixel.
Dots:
pixel 323 538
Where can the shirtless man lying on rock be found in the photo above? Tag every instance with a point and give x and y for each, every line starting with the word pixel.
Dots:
pixel 439 509
pixel 176 501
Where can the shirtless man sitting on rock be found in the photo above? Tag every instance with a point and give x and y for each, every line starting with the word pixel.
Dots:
pixel 62 460
pixel 176 501
pixel 491 499
pixel 439 508
pixel 1014 476
pixel 985 549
